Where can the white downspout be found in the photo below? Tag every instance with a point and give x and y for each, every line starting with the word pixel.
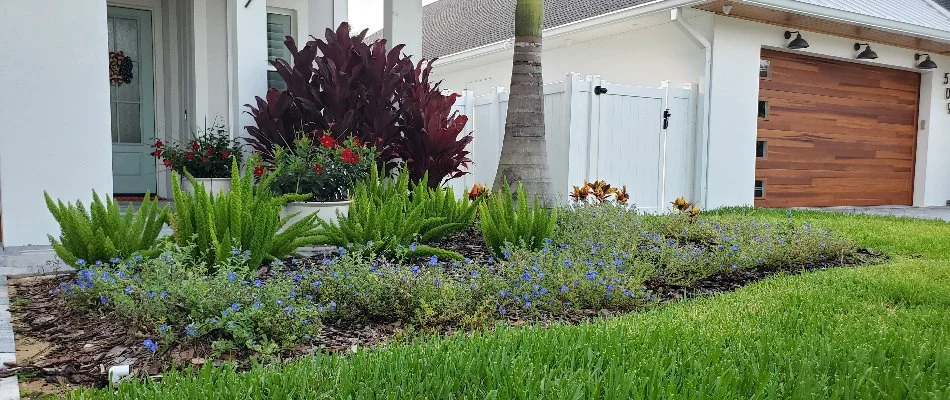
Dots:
pixel 677 16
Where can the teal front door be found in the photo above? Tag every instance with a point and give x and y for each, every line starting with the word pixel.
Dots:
pixel 132 100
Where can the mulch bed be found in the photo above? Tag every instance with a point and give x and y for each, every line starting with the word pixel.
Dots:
pixel 83 345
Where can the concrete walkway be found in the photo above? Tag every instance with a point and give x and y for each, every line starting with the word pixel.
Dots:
pixel 942 213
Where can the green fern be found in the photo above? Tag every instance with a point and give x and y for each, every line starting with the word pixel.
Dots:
pixel 246 219
pixel 503 222
pixel 104 232
pixel 384 215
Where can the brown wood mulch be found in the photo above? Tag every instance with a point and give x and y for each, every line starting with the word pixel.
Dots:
pixel 81 346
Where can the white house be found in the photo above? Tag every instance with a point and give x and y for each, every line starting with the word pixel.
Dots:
pixel 66 130
pixel 862 131
pixel 776 123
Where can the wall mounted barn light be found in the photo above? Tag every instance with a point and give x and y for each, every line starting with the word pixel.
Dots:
pixel 927 63
pixel 867 54
pixel 798 42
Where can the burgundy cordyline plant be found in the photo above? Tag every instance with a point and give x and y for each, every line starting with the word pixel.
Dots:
pixel 347 87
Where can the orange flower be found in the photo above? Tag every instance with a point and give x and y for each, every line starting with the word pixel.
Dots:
pixel 622 196
pixel 682 204
pixel 580 193
pixel 477 192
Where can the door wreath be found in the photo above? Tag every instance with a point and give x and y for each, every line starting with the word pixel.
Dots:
pixel 120 68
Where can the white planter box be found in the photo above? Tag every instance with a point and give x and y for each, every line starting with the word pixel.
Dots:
pixel 212 185
pixel 325 211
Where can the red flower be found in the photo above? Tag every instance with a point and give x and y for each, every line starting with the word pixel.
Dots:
pixel 349 157
pixel 209 152
pixel 225 154
pixel 195 146
pixel 189 155
pixel 158 144
pixel 328 141
pixel 258 171
pixel 157 153
pixel 168 163
pixel 318 168
pixel 204 159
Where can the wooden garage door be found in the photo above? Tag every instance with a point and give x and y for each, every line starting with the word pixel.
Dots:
pixel 834 133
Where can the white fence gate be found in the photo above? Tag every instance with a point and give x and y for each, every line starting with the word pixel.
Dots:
pixel 635 136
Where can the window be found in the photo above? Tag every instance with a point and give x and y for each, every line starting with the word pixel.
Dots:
pixel 765 69
pixel 761 148
pixel 764 109
pixel 279 25
pixel 759 189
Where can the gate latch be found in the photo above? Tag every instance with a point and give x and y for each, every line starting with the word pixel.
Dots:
pixel 599 90
pixel 666 118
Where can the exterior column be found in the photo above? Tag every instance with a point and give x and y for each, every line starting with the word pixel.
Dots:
pixel 54 104
pixel 325 14
pixel 403 25
pixel 247 46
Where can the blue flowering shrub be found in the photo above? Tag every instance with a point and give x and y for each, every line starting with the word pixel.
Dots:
pixel 599 258
pixel 182 302
pixel 679 249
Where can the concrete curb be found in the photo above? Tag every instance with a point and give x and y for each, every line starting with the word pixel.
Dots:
pixel 9 387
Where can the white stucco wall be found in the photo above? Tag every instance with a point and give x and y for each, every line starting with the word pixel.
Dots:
pixel 737 48
pixel 643 52
pixel 54 104
pixel 649 49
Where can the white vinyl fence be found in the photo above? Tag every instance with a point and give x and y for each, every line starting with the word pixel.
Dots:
pixel 598 130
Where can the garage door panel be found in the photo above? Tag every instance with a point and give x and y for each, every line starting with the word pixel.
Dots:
pixel 794 69
pixel 803 139
pixel 835 105
pixel 847 131
pixel 837 133
pixel 857 93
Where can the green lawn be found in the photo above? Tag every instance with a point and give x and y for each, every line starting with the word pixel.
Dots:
pixel 869 332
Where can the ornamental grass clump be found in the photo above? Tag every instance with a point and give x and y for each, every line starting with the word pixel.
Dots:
pixel 504 221
pixel 103 232
pixel 248 219
pixel 383 218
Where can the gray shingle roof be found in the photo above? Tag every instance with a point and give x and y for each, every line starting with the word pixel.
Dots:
pixel 451 26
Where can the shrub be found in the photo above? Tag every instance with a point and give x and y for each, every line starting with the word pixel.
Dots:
pixel 347 87
pixel 245 220
pixel 456 213
pixel 103 233
pixel 503 222
pixel 599 192
pixel 179 301
pixel 383 218
pixel 325 172
pixel 207 155
pixel 679 250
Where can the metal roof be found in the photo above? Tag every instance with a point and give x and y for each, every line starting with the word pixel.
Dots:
pixel 452 26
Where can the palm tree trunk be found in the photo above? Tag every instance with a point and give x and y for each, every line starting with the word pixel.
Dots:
pixel 524 155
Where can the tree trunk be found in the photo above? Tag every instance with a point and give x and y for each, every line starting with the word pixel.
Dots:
pixel 524 152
